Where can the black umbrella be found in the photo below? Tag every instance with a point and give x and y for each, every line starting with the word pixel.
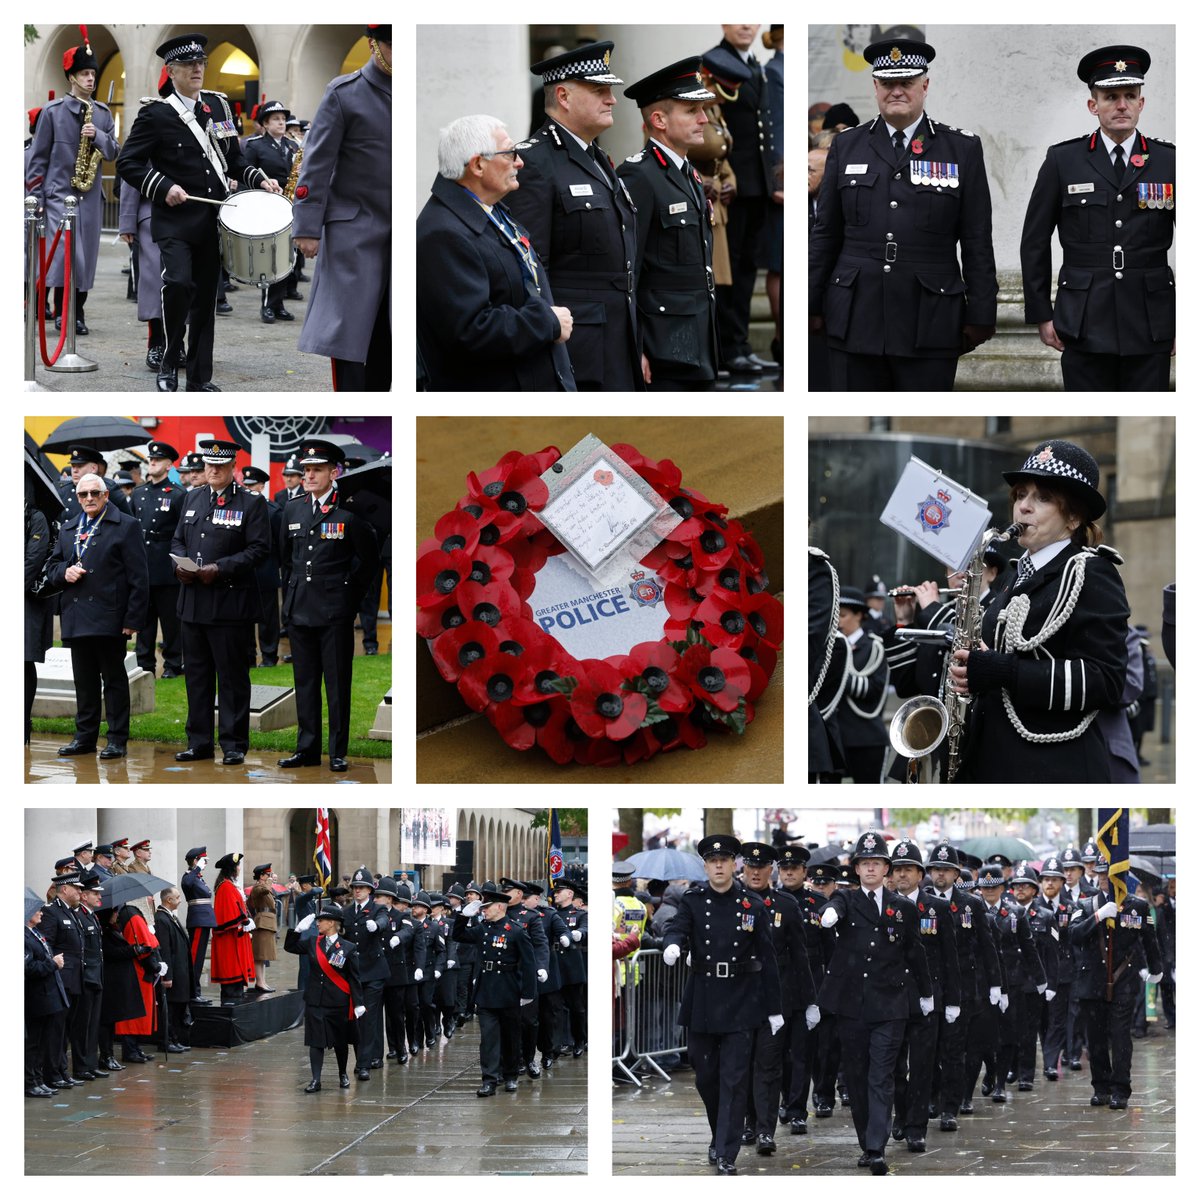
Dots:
pixel 42 481
pixel 104 433
pixel 367 491
pixel 123 889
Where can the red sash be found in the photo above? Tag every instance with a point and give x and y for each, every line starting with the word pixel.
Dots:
pixel 332 975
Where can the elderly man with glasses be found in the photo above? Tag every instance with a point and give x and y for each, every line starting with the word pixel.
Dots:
pixel 486 317
pixel 99 562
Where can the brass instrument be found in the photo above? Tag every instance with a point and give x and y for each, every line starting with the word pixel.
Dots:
pixel 922 722
pixel 87 157
pixel 289 188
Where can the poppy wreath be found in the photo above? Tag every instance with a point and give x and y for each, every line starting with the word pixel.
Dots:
pixel 718 653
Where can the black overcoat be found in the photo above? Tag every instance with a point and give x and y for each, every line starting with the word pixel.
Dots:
pixel 507 968
pixel 39 614
pixel 1134 946
pixel 44 993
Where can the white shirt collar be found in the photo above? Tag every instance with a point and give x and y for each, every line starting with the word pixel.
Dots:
pixel 1109 144
pixel 675 158
pixel 576 136
pixel 744 55
pixel 325 498
pixel 908 132
pixel 852 638
pixel 1047 553
pixel 866 891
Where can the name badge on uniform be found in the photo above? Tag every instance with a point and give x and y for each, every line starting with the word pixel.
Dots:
pixel 1074 189
pixel 295 525
pixel 856 168
pixel 191 512
pixel 581 189
pixel 677 208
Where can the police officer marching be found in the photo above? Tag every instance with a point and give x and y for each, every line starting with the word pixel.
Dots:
pixel 902 197
pixel 158 504
pixel 1111 194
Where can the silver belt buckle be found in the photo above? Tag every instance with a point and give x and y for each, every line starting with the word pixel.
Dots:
pixel 890 251
pixel 722 970
pixel 1118 266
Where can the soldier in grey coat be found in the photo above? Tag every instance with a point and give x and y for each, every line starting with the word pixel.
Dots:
pixel 51 164
pixel 134 224
pixel 343 210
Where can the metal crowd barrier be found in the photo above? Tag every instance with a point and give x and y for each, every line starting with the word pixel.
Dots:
pixel 645 1027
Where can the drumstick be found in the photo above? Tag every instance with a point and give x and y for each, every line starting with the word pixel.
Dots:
pixel 203 200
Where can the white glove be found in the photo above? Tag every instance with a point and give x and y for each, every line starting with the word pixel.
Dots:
pixel 812 1016
pixel 525 1002
pixel 360 1010
pixel 1144 974
pixel 829 918
pixel 993 995
pixel 1155 978
pixel 671 955
pixel 564 941
pixel 162 969
pixel 1172 974
pixel 776 1023
pixel 436 973
pixel 249 927
pixel 1106 910
pixel 926 1005
pixel 469 910
pixel 450 964
pixel 1050 993
pixel 418 975
pixel 542 975
pixel 952 1013
pixel 394 941
pixel 305 923
pixel 1041 988
pixel 577 935
pixel 689 959
pixel 372 925
pixel 1004 1002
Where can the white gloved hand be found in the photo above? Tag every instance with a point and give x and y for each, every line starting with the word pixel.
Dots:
pixel 688 961
pixel 418 975
pixel 1155 978
pixel 372 925
pixel 162 969
pixel 249 927
pixel 1004 1002
pixel 564 941
pixel 394 941
pixel 577 935
pixel 994 995
pixel 469 910
pixel 812 1016
pixel 1041 988
pixel 1050 993
pixel 1172 974
pixel 952 1013
pixel 360 1011
pixel 926 1005
pixel 776 1023
pixel 543 975
pixel 525 1002
pixel 671 955
pixel 450 964
pixel 436 973
pixel 305 922
pixel 1106 910
pixel 829 918
pixel 1144 974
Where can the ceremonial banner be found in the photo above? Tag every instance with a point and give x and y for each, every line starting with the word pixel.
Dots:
pixel 554 859
pixel 323 854
pixel 1113 841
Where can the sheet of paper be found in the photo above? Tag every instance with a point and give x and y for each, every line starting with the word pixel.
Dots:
pixel 184 563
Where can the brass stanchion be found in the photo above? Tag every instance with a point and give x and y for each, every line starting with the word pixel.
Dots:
pixel 68 361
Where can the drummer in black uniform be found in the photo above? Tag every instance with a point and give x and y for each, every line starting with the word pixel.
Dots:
pixel 158 505
pixel 581 220
pixel 675 288
pixel 329 557
pixel 273 152
pixel 178 147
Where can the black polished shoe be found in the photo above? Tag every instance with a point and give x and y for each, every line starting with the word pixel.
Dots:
pixel 712 1156
pixel 402 1057
pixel 878 1164
pixel 299 760
pixel 313 1085
pixel 1024 1086
pixel 111 751
pixel 193 755
pixel 576 1051
pixel 1118 1102
pixel 233 758
pixel 1099 1100
pixel 414 1050
pixel 302 278
pixel 375 1064
pixel 1051 1074
pixel 726 1166
pixel 203 387
pixel 338 764
pixel 533 1071
pixel 99 1074
pixel 391 1054
pixel 111 1064
pixel 897 1133
pixel 168 378
pixel 766 1144
pixel 154 357
pixel 292 295
pixel 73 748
pixel 171 673
pixel 224 307
pixel 39 1090
pixel 488 1089
pixel 742 365
pixel 823 1108
pixel 1076 1065
pixel 948 1123
pixel 430 1043
pixel 986 1088
pixel 85 1075
pixel 765 363
pixel 510 1085
pixel 747 1137
pixel 176 1048
pixel 201 1000
pixel 864 1159
pixel 62 1084
pixel 916 1145
pixel 966 1108
pixel 362 1073
pixel 81 328
pixel 282 314
pixel 268 317
pixel 1000 1096
pixel 798 1125
pixel 1011 1077
pixel 343 1081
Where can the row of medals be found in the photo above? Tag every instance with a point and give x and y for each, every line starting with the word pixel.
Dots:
pixel 1156 195
pixel 933 174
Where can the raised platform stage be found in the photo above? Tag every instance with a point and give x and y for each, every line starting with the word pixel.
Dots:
pixel 259 1017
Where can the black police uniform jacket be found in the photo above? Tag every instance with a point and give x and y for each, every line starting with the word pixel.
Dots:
pixel 673 269
pixel 749 119
pixel 114 593
pixel 161 151
pixel 539 938
pixel 583 224
pixel 884 253
pixel 978 962
pixel 372 960
pixel 787 924
pixel 1023 968
pixel 93 950
pixel 507 968
pixel 555 927
pixel 859 720
pixel 236 536
pixel 1079 669
pixel 811 904
pixel 329 559
pixel 328 1019
pixel 1134 946
pixel 482 325
pixel 158 507
pixel 44 994
pixel 72 507
pixel 399 957
pixel 867 976
pixel 197 893
pixel 572 963
pixel 1116 293
pixel 64 936
pixel 1058 917
pixel 938 935
pixel 733 982
pixel 267 571
pixel 273 158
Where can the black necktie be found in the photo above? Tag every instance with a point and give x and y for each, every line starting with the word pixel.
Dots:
pixel 1118 163
pixel 898 142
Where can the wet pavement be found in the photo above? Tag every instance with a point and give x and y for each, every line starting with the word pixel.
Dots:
pixel 154 762
pixel 661 1130
pixel 243 1111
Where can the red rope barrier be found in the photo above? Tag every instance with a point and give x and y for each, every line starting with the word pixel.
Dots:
pixel 46 259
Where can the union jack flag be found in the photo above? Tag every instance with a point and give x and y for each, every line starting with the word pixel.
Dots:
pixel 323 854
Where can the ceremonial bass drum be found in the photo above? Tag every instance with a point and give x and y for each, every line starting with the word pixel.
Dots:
pixel 256 236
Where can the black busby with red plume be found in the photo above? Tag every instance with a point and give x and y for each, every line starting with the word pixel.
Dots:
pixel 80 58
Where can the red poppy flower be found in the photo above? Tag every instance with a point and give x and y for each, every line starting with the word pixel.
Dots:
pixel 490 563
pixel 220 501
pixel 438 574
pixel 514 486
pixel 433 622
pixel 917 146
pixel 761 660
pixel 458 648
pixel 490 604
pixel 890 912
pixel 491 679
pixel 724 621
pixel 600 705
pixel 656 663
pixel 719 677
pixel 545 661
pixel 603 478
pixel 1137 160
pixel 495 525
pixel 953 906
pixel 713 549
pixel 456 530
pixel 920 906
pixel 542 723
pixel 745 903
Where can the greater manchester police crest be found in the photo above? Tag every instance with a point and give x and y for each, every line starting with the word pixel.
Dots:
pixel 933 513
pixel 646 591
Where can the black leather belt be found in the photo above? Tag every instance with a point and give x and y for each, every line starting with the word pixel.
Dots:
pixel 503 968
pixel 726 970
pixel 678 281
pixel 891 252
pixel 1114 258
pixel 584 281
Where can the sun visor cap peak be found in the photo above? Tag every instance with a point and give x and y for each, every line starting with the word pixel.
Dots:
pixel 588 63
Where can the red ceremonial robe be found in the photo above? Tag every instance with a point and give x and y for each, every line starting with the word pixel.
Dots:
pixel 137 933
pixel 232 954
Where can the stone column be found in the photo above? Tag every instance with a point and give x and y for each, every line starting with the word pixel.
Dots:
pixel 51 834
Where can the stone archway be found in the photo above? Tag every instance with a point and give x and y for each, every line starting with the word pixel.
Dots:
pixel 301 841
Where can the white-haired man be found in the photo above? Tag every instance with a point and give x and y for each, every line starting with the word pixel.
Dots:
pixel 486 318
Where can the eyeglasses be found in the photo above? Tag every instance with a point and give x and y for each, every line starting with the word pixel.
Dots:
pixel 89 495
pixel 512 154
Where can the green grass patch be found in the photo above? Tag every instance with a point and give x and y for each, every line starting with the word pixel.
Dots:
pixel 372 678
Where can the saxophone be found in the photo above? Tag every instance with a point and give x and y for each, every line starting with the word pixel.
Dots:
pixel 87 157
pixel 923 722
pixel 289 188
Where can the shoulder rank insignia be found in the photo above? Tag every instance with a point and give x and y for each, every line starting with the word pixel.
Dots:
pixel 526 145
pixel 636 157
pixel 553 130
pixel 1161 142
pixel 660 157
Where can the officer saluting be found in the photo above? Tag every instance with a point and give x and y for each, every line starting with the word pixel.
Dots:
pixel 901 197
pixel 329 558
pixel 158 505
pixel 581 218
pixel 1111 193
pixel 732 989
pixel 676 305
